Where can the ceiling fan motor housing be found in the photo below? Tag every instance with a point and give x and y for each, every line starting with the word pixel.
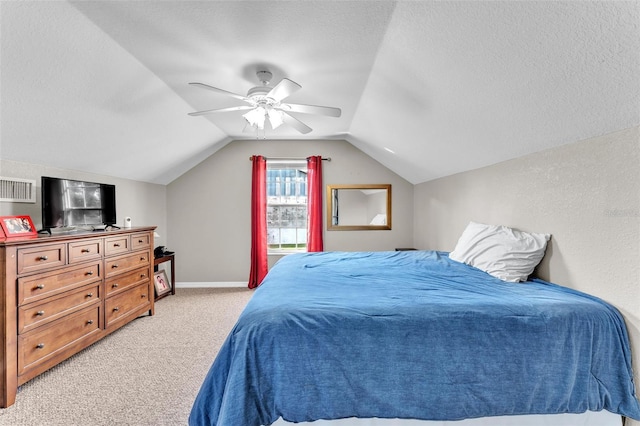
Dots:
pixel 259 93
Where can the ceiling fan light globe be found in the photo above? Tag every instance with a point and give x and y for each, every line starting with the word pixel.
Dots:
pixel 261 117
pixel 250 117
pixel 255 117
pixel 275 118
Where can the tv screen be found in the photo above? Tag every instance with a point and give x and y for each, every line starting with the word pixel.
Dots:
pixel 77 204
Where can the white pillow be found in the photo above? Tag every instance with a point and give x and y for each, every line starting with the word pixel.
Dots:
pixel 503 252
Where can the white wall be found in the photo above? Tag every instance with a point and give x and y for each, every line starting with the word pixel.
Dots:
pixel 209 207
pixel 586 194
pixel 144 202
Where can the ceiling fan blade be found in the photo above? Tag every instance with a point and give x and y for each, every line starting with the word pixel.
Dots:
pixel 283 89
pixel 225 92
pixel 312 109
pixel 238 108
pixel 295 123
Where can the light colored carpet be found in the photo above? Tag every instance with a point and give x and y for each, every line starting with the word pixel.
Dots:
pixel 146 373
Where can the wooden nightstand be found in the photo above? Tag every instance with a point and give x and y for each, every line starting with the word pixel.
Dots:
pixel 168 258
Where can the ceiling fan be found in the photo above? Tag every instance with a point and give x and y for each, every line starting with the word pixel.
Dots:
pixel 265 105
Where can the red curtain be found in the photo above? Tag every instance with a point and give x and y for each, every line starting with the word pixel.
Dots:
pixel 314 203
pixel 259 260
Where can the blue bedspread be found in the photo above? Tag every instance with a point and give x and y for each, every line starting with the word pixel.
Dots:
pixel 413 334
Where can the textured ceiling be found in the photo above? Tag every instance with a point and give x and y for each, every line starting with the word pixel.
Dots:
pixel 101 86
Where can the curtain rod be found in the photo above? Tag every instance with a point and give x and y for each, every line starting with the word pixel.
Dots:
pixel 289 158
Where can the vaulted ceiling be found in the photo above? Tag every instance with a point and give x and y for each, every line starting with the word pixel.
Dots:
pixel 102 86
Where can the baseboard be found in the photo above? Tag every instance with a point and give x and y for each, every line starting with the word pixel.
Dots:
pixel 219 284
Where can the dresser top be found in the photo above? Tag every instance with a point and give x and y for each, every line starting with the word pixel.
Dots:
pixel 71 235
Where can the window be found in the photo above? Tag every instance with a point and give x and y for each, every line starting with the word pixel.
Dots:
pixel 286 206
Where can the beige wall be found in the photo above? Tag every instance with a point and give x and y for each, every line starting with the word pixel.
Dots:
pixel 586 194
pixel 145 203
pixel 209 207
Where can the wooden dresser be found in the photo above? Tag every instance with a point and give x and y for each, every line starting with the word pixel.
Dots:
pixel 61 293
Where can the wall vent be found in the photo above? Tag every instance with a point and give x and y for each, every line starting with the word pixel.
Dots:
pixel 17 190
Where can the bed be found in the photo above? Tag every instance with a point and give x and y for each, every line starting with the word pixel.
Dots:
pixel 414 335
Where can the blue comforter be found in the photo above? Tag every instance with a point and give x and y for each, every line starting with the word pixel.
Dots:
pixel 413 334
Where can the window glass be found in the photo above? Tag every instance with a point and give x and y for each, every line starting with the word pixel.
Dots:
pixel 287 206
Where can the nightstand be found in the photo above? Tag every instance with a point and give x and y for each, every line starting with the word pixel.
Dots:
pixel 167 258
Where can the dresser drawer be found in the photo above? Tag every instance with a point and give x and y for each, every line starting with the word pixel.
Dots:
pixel 41 257
pixel 120 305
pixel 115 245
pixel 125 263
pixel 46 342
pixel 46 284
pixel 122 282
pixel 140 241
pixel 38 314
pixel 84 250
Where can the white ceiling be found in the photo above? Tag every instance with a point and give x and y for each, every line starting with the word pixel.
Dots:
pixel 102 86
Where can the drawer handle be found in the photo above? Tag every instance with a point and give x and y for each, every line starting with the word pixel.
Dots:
pixel 142 258
pixel 115 285
pixel 40 313
pixel 89 273
pixel 140 241
pixel 143 296
pixel 143 275
pixel 85 250
pixel 116 309
pixel 40 286
pixel 116 244
pixel 40 346
pixel 90 322
pixel 43 258
pixel 89 294
pixel 115 265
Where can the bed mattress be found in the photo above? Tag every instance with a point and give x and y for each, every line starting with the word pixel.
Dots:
pixel 414 335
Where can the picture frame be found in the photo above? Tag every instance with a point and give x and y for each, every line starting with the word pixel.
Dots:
pixel 161 282
pixel 17 226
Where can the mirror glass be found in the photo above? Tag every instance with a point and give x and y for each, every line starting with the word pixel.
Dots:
pixel 358 207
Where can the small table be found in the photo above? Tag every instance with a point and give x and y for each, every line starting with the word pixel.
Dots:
pixel 159 260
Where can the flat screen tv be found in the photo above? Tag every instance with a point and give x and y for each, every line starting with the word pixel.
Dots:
pixel 75 204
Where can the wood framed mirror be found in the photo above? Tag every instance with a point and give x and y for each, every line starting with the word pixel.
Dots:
pixel 358 207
